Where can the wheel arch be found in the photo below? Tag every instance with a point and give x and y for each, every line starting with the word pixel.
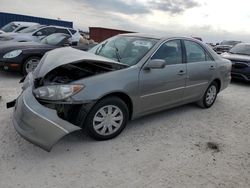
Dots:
pixel 218 81
pixel 124 97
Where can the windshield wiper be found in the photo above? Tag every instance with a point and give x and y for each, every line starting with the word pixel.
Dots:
pixel 99 49
pixel 117 52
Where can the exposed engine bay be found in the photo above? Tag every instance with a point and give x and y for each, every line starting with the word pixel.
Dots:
pixel 75 71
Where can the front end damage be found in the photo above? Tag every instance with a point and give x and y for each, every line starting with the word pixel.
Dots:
pixel 39 124
pixel 44 122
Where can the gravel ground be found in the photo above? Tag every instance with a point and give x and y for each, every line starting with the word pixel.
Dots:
pixel 167 149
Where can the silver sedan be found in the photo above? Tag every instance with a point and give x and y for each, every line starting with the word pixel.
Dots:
pixel 123 78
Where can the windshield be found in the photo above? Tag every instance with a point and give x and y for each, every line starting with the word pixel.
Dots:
pixel 9 27
pixel 30 29
pixel 243 49
pixel 231 43
pixel 54 39
pixel 124 49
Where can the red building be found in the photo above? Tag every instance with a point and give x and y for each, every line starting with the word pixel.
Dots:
pixel 99 34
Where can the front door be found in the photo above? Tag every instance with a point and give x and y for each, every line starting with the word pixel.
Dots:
pixel 163 87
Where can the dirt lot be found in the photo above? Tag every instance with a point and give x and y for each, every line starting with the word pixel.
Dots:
pixel 167 149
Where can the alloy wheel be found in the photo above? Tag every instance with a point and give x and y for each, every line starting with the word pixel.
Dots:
pixel 31 65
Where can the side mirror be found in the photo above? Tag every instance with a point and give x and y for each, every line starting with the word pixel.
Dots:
pixel 155 64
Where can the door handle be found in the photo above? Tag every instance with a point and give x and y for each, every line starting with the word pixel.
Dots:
pixel 212 67
pixel 181 72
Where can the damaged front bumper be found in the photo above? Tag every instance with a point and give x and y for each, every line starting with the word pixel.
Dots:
pixel 37 123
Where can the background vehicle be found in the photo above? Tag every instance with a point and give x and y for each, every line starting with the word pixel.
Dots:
pixel 240 58
pixel 225 46
pixel 123 78
pixel 16 26
pixel 219 49
pixel 25 56
pixel 37 32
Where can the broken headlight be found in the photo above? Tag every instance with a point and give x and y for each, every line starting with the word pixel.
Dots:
pixel 57 92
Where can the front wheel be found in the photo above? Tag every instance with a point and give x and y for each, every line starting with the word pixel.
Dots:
pixel 210 96
pixel 30 64
pixel 107 118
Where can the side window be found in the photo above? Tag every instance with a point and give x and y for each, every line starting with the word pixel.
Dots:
pixel 60 30
pixel 195 53
pixel 170 52
pixel 20 28
pixel 46 31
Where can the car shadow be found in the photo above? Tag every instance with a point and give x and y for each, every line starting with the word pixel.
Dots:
pixel 240 82
pixel 10 75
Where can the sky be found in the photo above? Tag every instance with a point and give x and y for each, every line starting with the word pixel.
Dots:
pixel 212 20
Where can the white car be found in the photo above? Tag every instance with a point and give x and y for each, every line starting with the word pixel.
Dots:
pixel 37 32
pixel 16 26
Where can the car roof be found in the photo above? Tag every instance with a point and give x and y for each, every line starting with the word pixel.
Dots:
pixel 243 43
pixel 60 27
pixel 159 37
pixel 25 23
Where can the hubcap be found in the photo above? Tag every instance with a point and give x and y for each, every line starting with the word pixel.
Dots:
pixel 108 120
pixel 211 95
pixel 31 65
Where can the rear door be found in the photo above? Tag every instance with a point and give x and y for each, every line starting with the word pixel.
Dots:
pixel 163 87
pixel 200 70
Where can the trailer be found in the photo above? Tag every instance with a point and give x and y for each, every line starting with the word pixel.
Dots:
pixel 6 18
pixel 99 34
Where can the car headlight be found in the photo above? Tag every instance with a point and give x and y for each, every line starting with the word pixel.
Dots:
pixel 57 92
pixel 12 54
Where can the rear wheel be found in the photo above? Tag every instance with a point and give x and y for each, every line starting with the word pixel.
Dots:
pixel 107 118
pixel 210 96
pixel 30 64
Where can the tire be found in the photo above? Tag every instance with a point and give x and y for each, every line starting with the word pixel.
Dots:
pixel 107 118
pixel 210 96
pixel 27 62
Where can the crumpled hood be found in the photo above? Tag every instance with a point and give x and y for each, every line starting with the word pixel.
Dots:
pixel 66 55
pixel 236 57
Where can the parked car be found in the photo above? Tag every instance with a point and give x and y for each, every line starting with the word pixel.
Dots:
pixel 37 32
pixel 219 49
pixel 25 56
pixel 123 78
pixel 240 57
pixel 225 46
pixel 16 26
